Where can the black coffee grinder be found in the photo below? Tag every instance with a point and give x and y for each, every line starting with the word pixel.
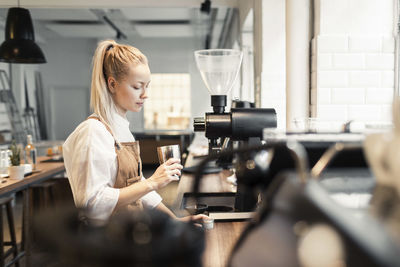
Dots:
pixel 219 69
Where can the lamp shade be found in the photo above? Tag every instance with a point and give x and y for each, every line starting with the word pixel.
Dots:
pixel 19 45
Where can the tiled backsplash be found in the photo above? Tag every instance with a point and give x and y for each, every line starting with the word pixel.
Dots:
pixel 353 78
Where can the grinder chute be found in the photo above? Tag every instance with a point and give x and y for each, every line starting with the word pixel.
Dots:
pixel 219 69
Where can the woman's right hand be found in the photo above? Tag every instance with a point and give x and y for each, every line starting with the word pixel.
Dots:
pixel 166 173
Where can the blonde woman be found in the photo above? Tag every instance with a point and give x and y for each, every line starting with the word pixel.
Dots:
pixel 101 156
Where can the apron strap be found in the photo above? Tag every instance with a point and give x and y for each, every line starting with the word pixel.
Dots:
pixel 116 142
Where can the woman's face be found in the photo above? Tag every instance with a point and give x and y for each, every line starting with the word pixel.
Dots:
pixel 130 92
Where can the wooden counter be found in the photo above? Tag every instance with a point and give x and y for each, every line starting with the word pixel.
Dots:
pixel 221 239
pixel 43 172
pixel 210 183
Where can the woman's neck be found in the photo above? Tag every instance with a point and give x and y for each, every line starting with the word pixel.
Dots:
pixel 120 111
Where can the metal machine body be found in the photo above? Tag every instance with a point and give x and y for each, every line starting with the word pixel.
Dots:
pixel 239 124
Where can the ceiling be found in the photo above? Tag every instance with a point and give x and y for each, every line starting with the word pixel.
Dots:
pixel 129 23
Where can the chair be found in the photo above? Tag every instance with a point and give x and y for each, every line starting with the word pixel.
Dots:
pixel 6 202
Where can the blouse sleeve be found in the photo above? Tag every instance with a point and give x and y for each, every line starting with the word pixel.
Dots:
pixel 90 159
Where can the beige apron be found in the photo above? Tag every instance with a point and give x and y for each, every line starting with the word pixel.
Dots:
pixel 129 166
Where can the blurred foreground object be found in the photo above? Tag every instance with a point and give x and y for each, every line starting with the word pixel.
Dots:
pixel 148 238
pixel 383 153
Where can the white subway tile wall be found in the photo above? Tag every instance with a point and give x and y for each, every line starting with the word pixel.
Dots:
pixel 356 17
pixel 348 96
pixel 386 111
pixel 355 78
pixel 332 78
pixel 387 79
pixel 324 61
pixel 348 61
pixel 332 112
pixel 364 78
pixel 382 61
pixel 365 113
pixel 332 44
pixel 379 96
pixel 168 103
pixel 353 62
pixel 364 44
pixel 388 45
pixel 324 95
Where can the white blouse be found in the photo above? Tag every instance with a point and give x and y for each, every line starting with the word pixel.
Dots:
pixel 91 165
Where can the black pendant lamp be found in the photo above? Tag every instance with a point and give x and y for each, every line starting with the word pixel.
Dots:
pixel 19 45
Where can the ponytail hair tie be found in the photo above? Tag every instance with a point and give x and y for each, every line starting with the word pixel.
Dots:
pixel 109 47
pixel 104 71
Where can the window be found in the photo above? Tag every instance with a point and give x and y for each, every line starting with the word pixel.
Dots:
pixel 168 105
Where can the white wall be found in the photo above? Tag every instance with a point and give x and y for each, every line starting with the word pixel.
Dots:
pixel 353 61
pixel 247 42
pixel 273 57
pixel 298 36
pixel 68 62
pixel 67 70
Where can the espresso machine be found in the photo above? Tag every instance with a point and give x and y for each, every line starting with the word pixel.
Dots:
pixel 219 69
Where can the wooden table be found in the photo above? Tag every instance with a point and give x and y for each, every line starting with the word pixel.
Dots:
pixel 9 186
pixel 221 239
pixel 45 171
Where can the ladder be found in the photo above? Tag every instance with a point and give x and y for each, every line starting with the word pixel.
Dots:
pixel 31 120
pixel 7 97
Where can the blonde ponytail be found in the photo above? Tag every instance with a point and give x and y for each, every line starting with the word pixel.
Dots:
pixel 110 60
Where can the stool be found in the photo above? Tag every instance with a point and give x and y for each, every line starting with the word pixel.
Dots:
pixel 42 195
pixel 6 201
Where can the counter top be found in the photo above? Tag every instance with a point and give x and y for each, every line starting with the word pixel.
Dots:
pixel 209 183
pixel 43 172
pixel 221 239
pixel 162 133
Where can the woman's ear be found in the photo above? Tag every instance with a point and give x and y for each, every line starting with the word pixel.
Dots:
pixel 111 82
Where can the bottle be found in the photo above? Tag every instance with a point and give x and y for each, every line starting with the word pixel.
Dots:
pixel 30 153
pixel 4 158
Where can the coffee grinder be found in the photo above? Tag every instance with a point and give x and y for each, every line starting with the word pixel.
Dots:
pixel 219 69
